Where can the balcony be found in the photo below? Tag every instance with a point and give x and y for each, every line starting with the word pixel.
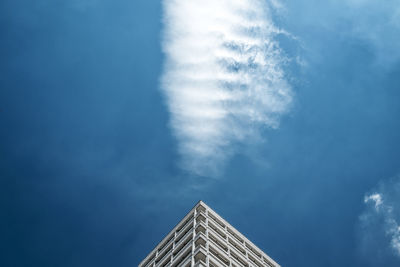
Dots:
pixel 236 252
pixel 200 242
pixel 219 261
pixel 216 220
pixel 149 260
pixel 201 208
pixel 200 264
pixel 214 262
pixel 253 251
pixel 218 240
pixel 200 254
pixel 255 261
pixel 151 264
pixel 238 258
pixel 185 238
pixel 237 247
pixel 186 262
pixel 182 254
pixel 201 228
pixel 200 235
pixel 183 225
pixel 216 225
pixel 183 230
pixel 162 256
pixel 200 218
pixel 217 249
pixel 268 262
pixel 164 246
pixel 166 261
pixel 235 263
pixel 216 235
pixel 182 248
pixel 218 253
pixel 217 229
pixel 236 236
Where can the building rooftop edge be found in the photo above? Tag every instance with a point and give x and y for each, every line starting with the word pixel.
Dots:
pixel 172 230
pixel 225 221
pixel 241 235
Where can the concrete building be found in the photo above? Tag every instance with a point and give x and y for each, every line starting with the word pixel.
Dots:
pixel 203 238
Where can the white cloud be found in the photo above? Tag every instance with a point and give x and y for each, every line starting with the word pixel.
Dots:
pixel 223 77
pixel 383 216
pixel 376 198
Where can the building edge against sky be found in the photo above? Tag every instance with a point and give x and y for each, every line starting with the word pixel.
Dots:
pixel 203 238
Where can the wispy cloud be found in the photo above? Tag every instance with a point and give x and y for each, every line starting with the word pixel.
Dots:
pixel 379 23
pixel 392 228
pixel 223 77
pixel 382 217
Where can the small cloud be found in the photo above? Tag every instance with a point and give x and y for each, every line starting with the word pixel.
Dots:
pixel 377 198
pixel 379 223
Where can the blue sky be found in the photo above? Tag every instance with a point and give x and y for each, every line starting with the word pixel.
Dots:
pixel 94 164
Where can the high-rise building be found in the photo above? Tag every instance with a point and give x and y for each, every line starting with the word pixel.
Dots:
pixel 203 238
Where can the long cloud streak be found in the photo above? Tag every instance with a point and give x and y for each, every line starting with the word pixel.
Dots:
pixel 223 77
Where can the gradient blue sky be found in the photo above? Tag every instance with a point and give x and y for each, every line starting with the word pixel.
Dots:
pixel 88 162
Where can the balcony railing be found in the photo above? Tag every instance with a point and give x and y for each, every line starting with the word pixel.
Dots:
pixel 183 230
pixel 166 246
pixel 165 262
pixel 236 236
pixel 217 226
pixel 239 258
pixel 184 238
pixel 186 261
pixel 200 235
pixel 184 225
pixel 221 242
pixel 237 246
pixel 201 208
pixel 184 249
pixel 149 260
pixel 214 262
pixel 216 220
pixel 200 264
pixel 163 256
pixel 163 243
pixel 252 254
pixel 149 264
pixel 255 261
pixel 268 262
pixel 217 249
pixel 178 260
pixel 216 235
pixel 217 230
pixel 200 217
pixel 201 249
pixel 236 262
pixel 199 226
pixel 253 251
pixel 237 252
pixel 215 258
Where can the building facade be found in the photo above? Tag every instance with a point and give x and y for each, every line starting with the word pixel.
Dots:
pixel 203 238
